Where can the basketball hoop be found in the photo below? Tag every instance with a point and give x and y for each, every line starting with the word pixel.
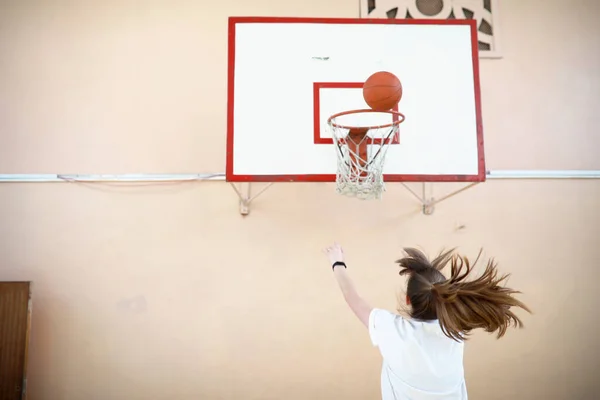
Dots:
pixel 361 152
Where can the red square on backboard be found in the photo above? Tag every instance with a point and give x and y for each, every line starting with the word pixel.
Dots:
pixel 319 137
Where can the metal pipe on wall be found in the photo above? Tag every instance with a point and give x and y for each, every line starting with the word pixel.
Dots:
pixel 220 176
pixel 544 174
pixel 44 178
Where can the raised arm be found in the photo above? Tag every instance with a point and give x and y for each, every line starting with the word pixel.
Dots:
pixel 356 303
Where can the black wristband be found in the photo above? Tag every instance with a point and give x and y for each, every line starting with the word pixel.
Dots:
pixel 335 264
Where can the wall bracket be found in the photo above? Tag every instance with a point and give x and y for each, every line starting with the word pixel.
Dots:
pixel 243 190
pixel 428 203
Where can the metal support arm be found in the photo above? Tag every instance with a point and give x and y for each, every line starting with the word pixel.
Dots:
pixel 429 204
pixel 243 192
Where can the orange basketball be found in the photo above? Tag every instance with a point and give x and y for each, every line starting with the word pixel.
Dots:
pixel 382 91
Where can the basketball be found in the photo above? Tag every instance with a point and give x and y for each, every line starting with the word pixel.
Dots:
pixel 382 91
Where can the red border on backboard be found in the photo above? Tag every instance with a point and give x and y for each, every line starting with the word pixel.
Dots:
pixel 231 177
pixel 317 86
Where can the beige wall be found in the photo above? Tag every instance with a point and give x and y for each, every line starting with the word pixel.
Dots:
pixel 165 291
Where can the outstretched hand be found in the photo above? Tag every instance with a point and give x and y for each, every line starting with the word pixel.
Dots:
pixel 334 253
pixel 356 303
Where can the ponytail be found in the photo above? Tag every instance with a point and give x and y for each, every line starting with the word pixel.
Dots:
pixel 459 304
pixel 463 305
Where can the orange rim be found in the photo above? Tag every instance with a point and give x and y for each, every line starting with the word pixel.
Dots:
pixel 397 114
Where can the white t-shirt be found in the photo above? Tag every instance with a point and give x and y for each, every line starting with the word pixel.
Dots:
pixel 419 361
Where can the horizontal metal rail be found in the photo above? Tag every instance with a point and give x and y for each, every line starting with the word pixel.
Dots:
pixel 544 174
pixel 497 174
pixel 24 178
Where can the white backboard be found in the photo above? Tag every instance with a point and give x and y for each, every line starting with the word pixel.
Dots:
pixel 288 75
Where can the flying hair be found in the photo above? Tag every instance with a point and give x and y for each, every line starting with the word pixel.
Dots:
pixel 459 303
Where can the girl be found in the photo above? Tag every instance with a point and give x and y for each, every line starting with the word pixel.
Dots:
pixel 423 355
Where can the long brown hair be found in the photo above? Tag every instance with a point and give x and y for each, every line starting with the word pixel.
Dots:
pixel 459 304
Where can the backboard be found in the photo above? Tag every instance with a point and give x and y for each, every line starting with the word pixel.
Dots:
pixel 288 75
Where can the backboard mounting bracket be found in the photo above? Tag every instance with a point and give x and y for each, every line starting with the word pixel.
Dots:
pixel 428 203
pixel 243 190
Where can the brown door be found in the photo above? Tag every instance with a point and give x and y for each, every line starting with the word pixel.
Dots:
pixel 14 332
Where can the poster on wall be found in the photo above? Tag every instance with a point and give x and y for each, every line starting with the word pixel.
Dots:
pixel 485 12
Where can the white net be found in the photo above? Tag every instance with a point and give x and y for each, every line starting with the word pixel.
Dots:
pixel 361 156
